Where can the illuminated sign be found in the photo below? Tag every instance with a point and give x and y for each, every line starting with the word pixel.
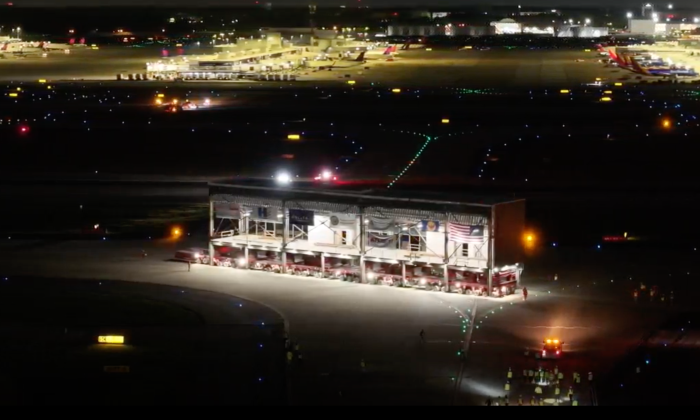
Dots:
pixel 110 339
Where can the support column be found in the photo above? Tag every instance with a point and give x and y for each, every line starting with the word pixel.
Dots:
pixel 211 231
pixel 246 256
pixel 323 265
pixel 363 249
pixel 446 278
pixel 446 260
pixel 492 256
pixel 284 238
pixel 403 273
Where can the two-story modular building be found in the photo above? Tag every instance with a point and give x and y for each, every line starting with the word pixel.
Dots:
pixel 450 246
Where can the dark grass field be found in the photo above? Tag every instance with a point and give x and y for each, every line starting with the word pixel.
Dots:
pixel 182 347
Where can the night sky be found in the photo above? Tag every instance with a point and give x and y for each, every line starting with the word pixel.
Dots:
pixel 632 5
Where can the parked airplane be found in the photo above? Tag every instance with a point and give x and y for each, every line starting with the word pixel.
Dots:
pixel 673 71
pixel 19 49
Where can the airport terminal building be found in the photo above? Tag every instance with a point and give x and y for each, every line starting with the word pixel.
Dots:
pixel 403 241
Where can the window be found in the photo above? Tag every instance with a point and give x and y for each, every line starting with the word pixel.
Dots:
pixel 299 232
pixel 465 250
pixel 411 242
pixel 341 237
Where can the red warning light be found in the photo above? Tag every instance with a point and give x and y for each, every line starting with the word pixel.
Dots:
pixel 23 129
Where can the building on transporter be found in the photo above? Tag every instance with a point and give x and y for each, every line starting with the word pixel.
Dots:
pixel 402 240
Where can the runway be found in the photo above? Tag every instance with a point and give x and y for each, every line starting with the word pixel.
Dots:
pixel 494 68
pixel 340 324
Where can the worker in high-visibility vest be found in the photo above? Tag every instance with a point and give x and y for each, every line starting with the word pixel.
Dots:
pixel 557 391
pixel 560 376
pixel 510 374
pixel 507 387
pixel 571 394
pixel 290 357
pixel 541 401
pixel 575 403
pixel 520 401
pixel 590 376
pixel 533 401
pixel 538 390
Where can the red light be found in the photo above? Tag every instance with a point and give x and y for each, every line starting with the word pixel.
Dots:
pixel 557 352
pixel 544 353
pixel 23 129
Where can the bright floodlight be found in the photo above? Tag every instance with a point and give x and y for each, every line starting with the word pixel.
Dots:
pixel 630 15
pixel 284 178
pixel 326 175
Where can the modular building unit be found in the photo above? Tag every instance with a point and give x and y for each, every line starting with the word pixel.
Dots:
pixel 450 246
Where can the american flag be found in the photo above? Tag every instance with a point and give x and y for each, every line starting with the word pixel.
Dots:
pixel 464 233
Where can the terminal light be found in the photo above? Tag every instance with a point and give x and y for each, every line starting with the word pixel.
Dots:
pixel 445 120
pixel 606 99
pixel 618 84
pixel 565 91
pixel 42 80
pixel 351 82
pixel 293 137
pixel 396 90
pixel 13 95
pixel 110 339
pixel 608 92
pixel 176 232
pixel 666 123
pixel 283 178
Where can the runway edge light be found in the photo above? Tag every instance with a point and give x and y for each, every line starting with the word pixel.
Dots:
pixel 110 339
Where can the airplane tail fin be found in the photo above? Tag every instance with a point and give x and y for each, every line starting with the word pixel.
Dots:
pixel 4 47
pixel 361 57
pixel 637 68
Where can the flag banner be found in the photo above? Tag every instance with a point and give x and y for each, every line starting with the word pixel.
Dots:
pixel 301 217
pixel 381 224
pixel 227 210
pixel 339 219
pixel 430 225
pixel 381 241
pixel 463 234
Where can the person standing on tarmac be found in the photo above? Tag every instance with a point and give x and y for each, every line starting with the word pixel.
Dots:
pixel 422 336
pixel 524 293
pixel 189 266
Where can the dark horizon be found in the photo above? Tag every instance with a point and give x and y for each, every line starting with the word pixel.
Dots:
pixel 632 5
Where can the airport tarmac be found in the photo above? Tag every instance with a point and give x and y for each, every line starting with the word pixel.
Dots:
pixel 470 68
pixel 339 325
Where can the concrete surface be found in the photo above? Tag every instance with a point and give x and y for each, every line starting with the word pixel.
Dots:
pixel 494 68
pixel 182 346
pixel 339 325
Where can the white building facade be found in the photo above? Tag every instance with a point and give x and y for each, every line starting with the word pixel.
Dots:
pixel 449 246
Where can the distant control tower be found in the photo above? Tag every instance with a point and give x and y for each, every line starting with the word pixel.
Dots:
pixel 312 13
pixel 648 11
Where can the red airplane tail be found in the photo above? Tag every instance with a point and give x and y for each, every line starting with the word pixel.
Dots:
pixel 637 68
pixel 361 57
